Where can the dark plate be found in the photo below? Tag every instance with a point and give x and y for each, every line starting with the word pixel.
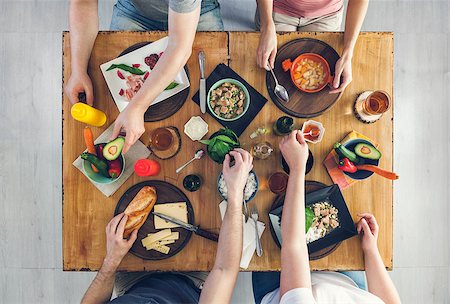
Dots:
pixel 169 106
pixel 167 193
pixel 360 174
pixel 327 244
pixel 302 104
pixel 309 163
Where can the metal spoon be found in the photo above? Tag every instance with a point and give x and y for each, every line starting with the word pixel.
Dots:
pixel 198 154
pixel 313 133
pixel 279 90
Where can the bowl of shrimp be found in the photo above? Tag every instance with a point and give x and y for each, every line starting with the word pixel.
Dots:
pixel 228 99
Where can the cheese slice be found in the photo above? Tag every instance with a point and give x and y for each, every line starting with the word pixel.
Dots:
pixel 151 238
pixel 162 248
pixel 176 210
pixel 174 236
pixel 159 243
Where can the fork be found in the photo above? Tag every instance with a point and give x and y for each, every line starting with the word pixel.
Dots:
pixel 245 210
pixel 259 250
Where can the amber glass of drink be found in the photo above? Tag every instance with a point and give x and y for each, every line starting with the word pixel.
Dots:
pixel 161 139
pixel 376 103
pixel 278 182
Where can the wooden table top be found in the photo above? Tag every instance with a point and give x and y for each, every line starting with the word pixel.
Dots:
pixel 86 211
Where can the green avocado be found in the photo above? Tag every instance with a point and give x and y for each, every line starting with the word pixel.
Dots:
pixel 367 151
pixel 112 150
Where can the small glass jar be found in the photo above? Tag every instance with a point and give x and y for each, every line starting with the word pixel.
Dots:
pixel 283 126
pixel 192 182
pixel 262 150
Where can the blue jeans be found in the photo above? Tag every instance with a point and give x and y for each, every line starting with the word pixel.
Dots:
pixel 127 18
pixel 265 282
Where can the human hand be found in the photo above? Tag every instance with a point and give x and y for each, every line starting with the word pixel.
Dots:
pixel 367 228
pixel 267 48
pixel 116 246
pixel 295 151
pixel 343 68
pixel 80 83
pixel 132 121
pixel 237 175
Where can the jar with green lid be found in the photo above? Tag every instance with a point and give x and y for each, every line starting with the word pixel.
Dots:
pixel 192 182
pixel 283 126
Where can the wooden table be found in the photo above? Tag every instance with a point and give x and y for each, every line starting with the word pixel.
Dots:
pixel 86 211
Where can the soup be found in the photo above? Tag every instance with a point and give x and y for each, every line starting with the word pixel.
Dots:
pixel 309 75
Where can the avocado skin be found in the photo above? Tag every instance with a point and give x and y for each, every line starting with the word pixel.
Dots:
pixel 118 142
pixel 373 152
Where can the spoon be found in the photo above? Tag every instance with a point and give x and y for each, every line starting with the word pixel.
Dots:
pixel 198 154
pixel 313 133
pixel 279 90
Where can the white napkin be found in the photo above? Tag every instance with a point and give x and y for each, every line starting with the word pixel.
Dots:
pixel 136 152
pixel 248 240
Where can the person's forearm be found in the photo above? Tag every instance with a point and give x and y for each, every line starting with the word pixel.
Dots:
pixel 174 58
pixel 229 249
pixel 356 12
pixel 265 8
pixel 182 29
pixel 101 288
pixel 378 281
pixel 293 220
pixel 295 272
pixel 218 288
pixel 83 24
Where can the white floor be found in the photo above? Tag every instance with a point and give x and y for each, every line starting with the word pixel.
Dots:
pixel 30 148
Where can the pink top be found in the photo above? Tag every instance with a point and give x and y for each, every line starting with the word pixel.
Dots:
pixel 307 8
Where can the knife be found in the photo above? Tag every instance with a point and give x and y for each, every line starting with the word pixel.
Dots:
pixel 197 230
pixel 201 60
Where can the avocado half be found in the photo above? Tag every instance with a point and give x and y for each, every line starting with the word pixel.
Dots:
pixel 367 151
pixel 112 150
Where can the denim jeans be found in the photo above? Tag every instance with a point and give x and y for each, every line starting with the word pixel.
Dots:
pixel 265 282
pixel 127 18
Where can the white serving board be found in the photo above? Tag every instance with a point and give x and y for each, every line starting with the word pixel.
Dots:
pixel 137 56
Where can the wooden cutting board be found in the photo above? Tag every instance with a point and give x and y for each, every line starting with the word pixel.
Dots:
pixel 167 193
pixel 301 104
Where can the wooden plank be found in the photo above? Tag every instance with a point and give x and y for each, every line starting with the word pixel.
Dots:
pixel 86 211
pixel 372 69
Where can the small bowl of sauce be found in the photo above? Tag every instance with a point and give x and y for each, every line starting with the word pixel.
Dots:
pixel 313 131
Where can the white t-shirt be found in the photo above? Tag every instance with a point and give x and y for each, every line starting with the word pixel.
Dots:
pixel 327 287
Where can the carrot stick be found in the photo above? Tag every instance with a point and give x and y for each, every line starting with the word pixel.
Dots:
pixel 379 171
pixel 89 140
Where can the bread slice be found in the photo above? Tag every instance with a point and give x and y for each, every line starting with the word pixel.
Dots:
pixel 139 209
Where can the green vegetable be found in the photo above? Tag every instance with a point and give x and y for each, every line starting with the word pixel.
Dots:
pixel 221 144
pixel 367 151
pixel 127 68
pixel 309 218
pixel 112 150
pixel 172 85
pixel 100 164
pixel 343 152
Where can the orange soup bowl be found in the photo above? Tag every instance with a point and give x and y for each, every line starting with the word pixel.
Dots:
pixel 321 69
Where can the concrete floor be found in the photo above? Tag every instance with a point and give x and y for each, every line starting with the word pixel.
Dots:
pixel 30 148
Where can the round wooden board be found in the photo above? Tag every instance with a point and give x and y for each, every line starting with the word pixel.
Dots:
pixel 169 106
pixel 310 186
pixel 167 193
pixel 301 104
